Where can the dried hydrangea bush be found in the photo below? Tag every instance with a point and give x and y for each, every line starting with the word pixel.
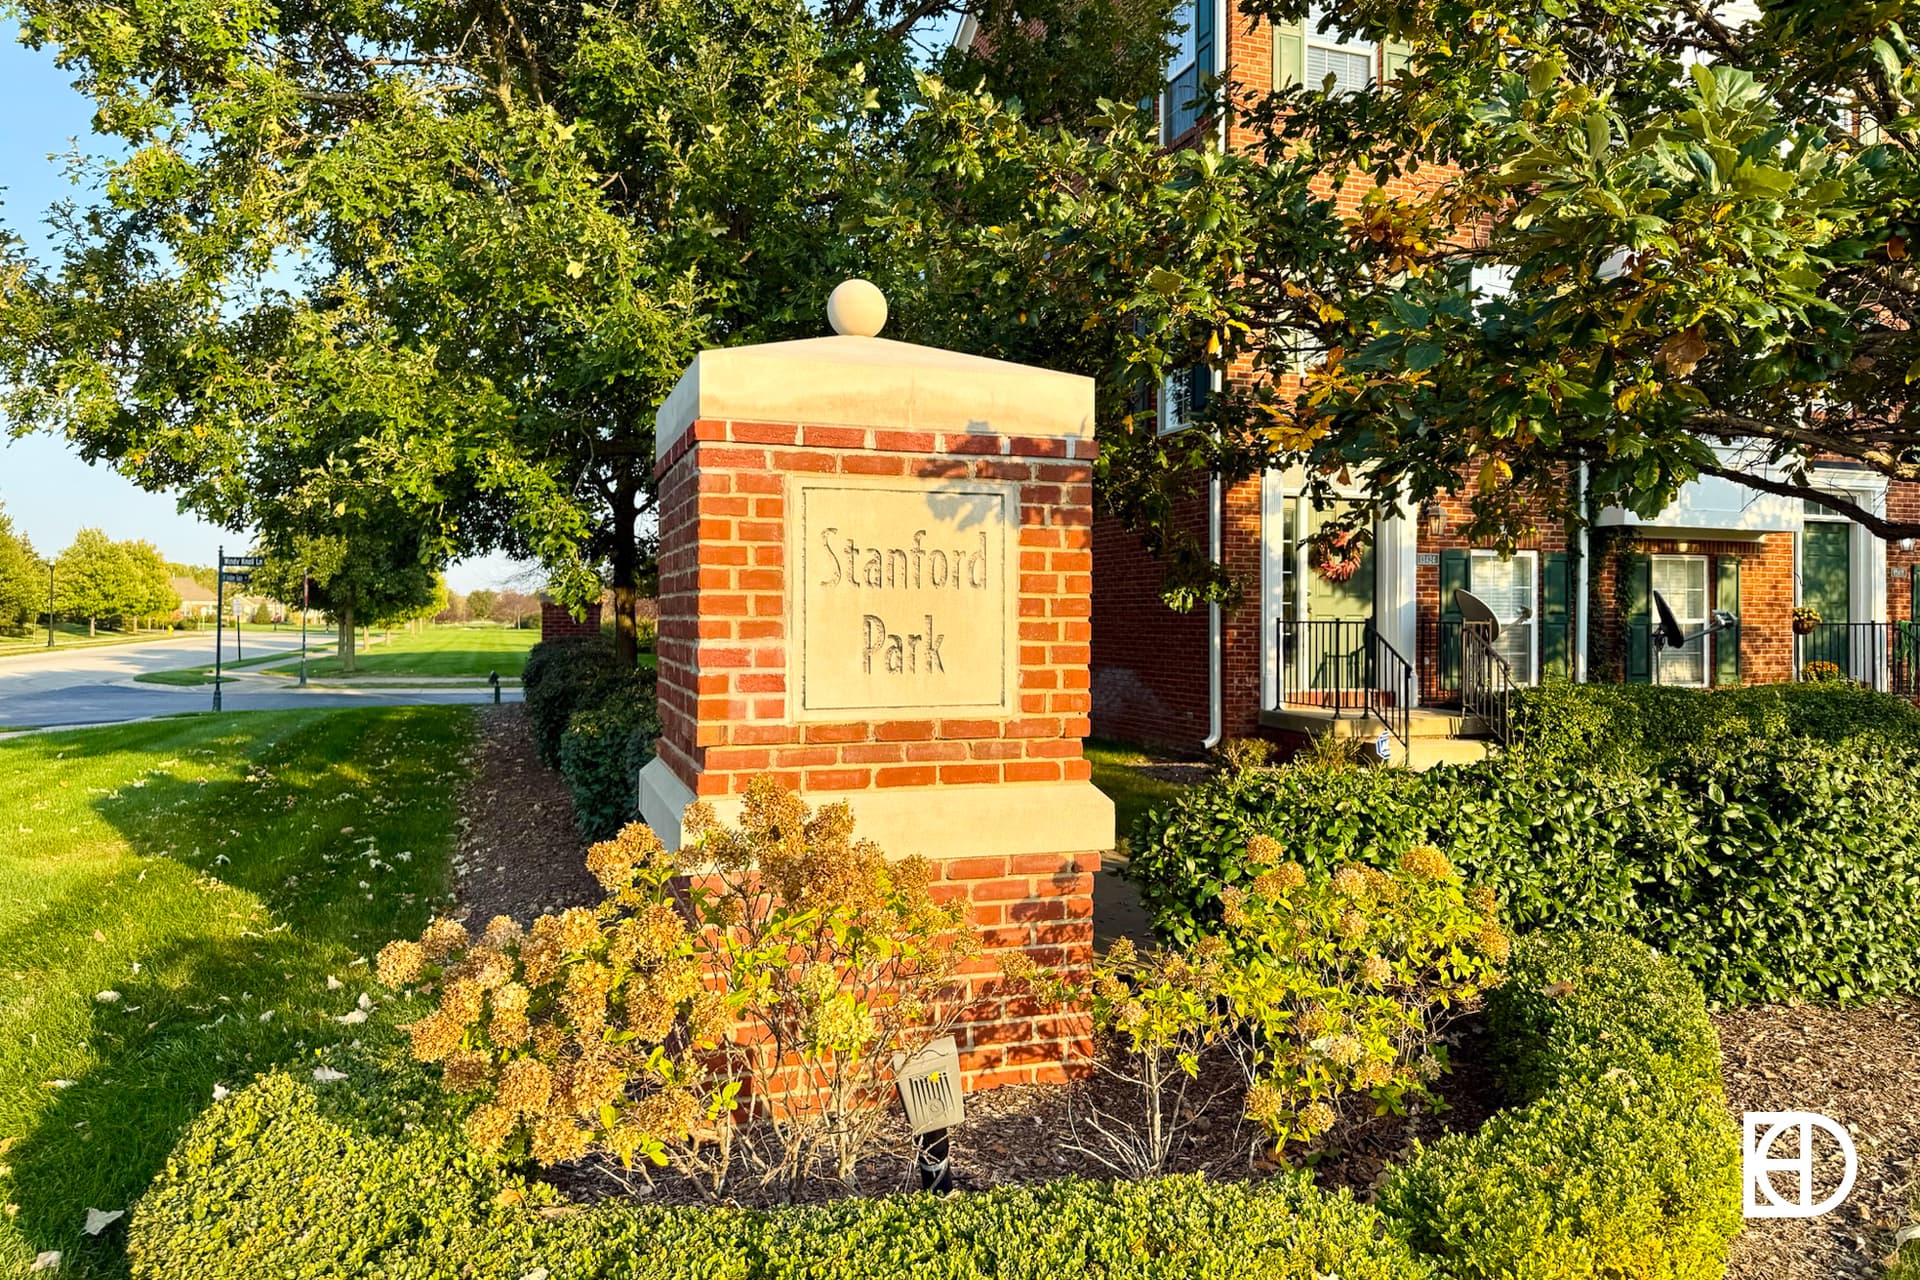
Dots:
pixel 1325 990
pixel 732 1008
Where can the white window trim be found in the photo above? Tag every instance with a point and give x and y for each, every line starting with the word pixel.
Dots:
pixel 1706 590
pixel 1334 42
pixel 1534 617
pixel 1165 423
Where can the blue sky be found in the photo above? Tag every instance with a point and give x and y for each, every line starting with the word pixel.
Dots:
pixel 46 489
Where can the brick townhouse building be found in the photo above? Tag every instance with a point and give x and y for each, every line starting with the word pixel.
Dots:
pixel 1317 642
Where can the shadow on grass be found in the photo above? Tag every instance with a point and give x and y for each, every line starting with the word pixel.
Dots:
pixel 158 1054
pixel 315 838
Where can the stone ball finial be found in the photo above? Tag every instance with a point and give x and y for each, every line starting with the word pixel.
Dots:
pixel 857 309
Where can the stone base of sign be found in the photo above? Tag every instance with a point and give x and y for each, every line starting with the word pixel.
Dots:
pixel 928 822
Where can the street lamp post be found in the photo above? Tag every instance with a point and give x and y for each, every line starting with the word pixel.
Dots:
pixel 49 604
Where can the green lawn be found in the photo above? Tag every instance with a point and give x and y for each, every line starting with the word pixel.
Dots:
pixel 204 675
pixel 207 875
pixel 440 651
pixel 1116 772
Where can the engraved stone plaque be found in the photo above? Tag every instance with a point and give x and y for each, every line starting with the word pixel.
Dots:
pixel 905 596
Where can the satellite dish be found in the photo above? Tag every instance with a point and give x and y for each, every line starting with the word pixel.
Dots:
pixel 1668 627
pixel 1475 612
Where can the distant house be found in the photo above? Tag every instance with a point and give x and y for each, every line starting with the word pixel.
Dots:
pixel 195 600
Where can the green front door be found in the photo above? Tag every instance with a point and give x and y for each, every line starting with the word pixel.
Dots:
pixel 1826 584
pixel 1334 651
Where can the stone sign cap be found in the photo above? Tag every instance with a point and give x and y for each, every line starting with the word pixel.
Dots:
pixel 857 381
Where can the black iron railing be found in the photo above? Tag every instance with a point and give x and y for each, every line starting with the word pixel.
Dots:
pixel 1486 681
pixel 1880 655
pixel 1345 665
pixel 1437 646
pixel 1324 663
pixel 1390 692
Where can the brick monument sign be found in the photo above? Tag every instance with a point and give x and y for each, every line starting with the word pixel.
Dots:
pixel 875 563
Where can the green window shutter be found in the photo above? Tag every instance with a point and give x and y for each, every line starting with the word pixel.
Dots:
pixel 1639 620
pixel 1456 574
pixel 1395 57
pixel 1726 644
pixel 1289 54
pixel 1199 388
pixel 1183 111
pixel 1556 607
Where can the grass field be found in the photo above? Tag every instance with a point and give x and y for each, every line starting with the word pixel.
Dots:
pixel 440 651
pixel 204 675
pixel 173 898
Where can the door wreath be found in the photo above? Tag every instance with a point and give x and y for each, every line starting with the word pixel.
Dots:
pixel 1335 555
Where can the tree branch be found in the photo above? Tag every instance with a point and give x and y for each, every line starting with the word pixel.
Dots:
pixel 1880 525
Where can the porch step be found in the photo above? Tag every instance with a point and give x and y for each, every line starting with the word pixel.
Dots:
pixel 1422 722
pixel 1434 736
pixel 1428 752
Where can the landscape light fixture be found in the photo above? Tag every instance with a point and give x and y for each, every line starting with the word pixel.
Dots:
pixel 1667 633
pixel 929 1083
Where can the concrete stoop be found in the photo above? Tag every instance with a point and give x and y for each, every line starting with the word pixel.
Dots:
pixel 1435 735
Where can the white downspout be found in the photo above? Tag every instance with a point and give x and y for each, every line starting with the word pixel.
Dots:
pixel 1580 637
pixel 1216 640
pixel 1216 492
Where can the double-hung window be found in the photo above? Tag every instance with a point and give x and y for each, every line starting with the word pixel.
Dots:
pixel 1183 394
pixel 1682 583
pixel 1342 64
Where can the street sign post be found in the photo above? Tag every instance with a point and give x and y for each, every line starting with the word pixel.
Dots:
pixel 237 570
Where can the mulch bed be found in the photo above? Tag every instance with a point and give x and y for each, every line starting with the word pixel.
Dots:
pixel 519 854
pixel 1032 1133
pixel 1860 1066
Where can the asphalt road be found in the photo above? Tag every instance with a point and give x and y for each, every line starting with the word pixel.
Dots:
pixel 95 686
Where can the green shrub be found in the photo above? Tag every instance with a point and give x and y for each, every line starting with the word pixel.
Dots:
pixel 1804 877
pixel 1787 868
pixel 1611 1177
pixel 1633 727
pixel 561 677
pixel 1582 1004
pixel 1621 1160
pixel 267 1182
pixel 602 751
pixel 1558 855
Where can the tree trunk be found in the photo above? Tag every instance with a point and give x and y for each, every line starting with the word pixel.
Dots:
pixel 91 631
pixel 346 641
pixel 626 566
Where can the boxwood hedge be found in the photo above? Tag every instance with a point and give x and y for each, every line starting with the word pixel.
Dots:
pixel 595 719
pixel 268 1183
pixel 1788 868
pixel 1618 1161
